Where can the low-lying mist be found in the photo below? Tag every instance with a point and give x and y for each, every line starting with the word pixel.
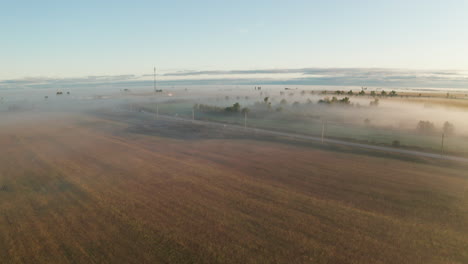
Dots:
pixel 297 109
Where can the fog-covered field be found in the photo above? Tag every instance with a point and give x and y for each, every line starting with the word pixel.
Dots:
pixel 391 120
pixel 110 176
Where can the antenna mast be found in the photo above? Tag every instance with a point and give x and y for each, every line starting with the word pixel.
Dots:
pixel 154 83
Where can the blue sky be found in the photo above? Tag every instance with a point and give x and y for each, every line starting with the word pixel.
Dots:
pixel 81 38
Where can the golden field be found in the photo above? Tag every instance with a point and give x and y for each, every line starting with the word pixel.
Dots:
pixel 84 189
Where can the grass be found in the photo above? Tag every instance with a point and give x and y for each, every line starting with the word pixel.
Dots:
pixel 85 190
pixel 455 145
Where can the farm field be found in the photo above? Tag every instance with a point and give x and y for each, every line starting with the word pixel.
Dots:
pixel 110 188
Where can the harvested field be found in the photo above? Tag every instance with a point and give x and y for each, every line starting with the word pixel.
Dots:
pixel 91 189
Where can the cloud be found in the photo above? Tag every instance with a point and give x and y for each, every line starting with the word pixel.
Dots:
pixel 303 76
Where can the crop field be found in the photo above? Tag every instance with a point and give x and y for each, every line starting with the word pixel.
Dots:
pixel 111 188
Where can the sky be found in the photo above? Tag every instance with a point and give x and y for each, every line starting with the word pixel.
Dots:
pixel 64 39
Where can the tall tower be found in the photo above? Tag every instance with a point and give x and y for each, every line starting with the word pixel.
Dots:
pixel 154 82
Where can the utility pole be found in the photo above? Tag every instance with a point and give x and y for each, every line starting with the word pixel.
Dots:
pixel 442 145
pixel 157 112
pixel 245 119
pixel 323 130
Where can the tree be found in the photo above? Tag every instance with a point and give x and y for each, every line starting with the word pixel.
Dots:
pixel 362 92
pixel 234 108
pixel 393 93
pixel 283 102
pixel 383 93
pixel 345 100
pixel 425 127
pixel 296 104
pixel 372 93
pixel 375 102
pixel 335 100
pixel 448 128
pixel 265 100
pixel 303 92
pixel 350 92
pixel 309 101
pixel 245 110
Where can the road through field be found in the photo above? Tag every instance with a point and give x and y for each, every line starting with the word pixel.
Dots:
pixel 319 139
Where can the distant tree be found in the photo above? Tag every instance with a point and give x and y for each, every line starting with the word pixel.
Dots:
pixel 303 92
pixel 345 100
pixel 238 97
pixel 265 100
pixel 396 143
pixel 362 92
pixel 309 101
pixel 367 121
pixel 235 108
pixel 448 128
pixel 375 102
pixel 283 102
pixel 279 109
pixel 393 93
pixel 372 93
pixel 425 127
pixel 350 92
pixel 226 97
pixel 282 93
pixel 296 104
pixel 335 100
pixel 245 110
pixel 246 98
pixel 383 93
